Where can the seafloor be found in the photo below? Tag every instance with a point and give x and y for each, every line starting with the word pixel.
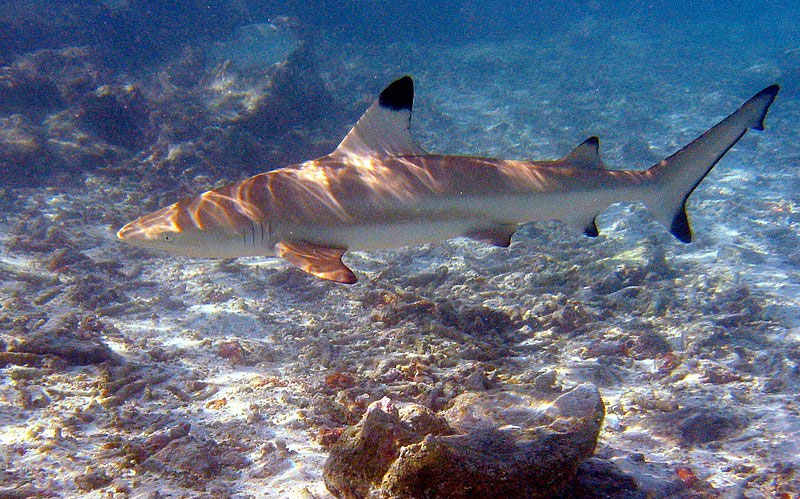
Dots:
pixel 695 348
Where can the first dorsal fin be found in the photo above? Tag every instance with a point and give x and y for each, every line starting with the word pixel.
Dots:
pixel 384 127
pixel 586 156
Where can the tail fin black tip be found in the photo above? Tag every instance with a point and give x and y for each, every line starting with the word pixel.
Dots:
pixel 771 90
pixel 769 93
pixel 680 226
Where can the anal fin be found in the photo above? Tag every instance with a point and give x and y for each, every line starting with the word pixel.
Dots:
pixel 496 236
pixel 320 261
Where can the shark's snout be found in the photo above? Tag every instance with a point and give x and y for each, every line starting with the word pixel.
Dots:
pixel 135 233
pixel 152 227
pixel 124 233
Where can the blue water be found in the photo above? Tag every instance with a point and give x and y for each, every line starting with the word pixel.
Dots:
pixel 112 109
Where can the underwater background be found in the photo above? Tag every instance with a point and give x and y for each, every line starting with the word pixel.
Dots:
pixel 125 373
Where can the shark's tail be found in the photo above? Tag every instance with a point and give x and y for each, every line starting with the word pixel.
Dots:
pixel 677 176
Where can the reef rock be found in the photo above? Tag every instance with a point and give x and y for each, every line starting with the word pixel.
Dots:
pixel 21 91
pixel 22 148
pixel 488 444
pixel 48 79
pixel 117 113
pixel 598 478
pixel 41 94
pixel 74 340
pixel 73 71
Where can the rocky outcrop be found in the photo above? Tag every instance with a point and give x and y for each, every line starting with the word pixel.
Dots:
pixel 487 444
pixel 118 114
pixel 75 340
pixel 67 111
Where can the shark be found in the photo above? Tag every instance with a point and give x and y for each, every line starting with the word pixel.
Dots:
pixel 380 189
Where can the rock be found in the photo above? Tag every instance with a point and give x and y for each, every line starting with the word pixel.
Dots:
pixel 422 420
pixel 92 480
pixel 194 461
pixel 73 71
pixel 46 80
pixel 19 359
pixel 650 344
pixel 487 444
pixel 708 426
pixel 473 411
pixel 362 455
pixel 129 33
pixel 477 381
pixel 69 338
pixel 42 138
pixel 22 91
pixel 93 292
pixel 116 113
pixel 579 402
pixel 23 152
pixel 296 94
pixel 597 478
pixel 188 69
pixel 546 381
pixel 33 397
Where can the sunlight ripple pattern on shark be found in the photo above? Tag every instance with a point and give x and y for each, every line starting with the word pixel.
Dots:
pixel 380 189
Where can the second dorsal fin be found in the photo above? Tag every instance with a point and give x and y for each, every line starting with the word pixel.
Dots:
pixel 384 127
pixel 586 156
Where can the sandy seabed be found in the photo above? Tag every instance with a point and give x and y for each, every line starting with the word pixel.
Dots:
pixel 200 378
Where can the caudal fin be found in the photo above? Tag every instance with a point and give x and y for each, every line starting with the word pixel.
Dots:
pixel 678 175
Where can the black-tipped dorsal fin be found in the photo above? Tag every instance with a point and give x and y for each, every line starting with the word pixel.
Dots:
pixel 384 127
pixel 586 156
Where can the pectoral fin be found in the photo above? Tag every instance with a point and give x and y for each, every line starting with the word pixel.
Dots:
pixel 319 261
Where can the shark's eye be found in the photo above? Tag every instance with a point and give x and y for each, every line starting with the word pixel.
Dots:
pixel 166 237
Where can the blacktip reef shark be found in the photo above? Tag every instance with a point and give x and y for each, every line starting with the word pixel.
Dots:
pixel 379 189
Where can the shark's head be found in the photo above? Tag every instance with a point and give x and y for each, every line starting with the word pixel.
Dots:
pixel 210 225
pixel 167 229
